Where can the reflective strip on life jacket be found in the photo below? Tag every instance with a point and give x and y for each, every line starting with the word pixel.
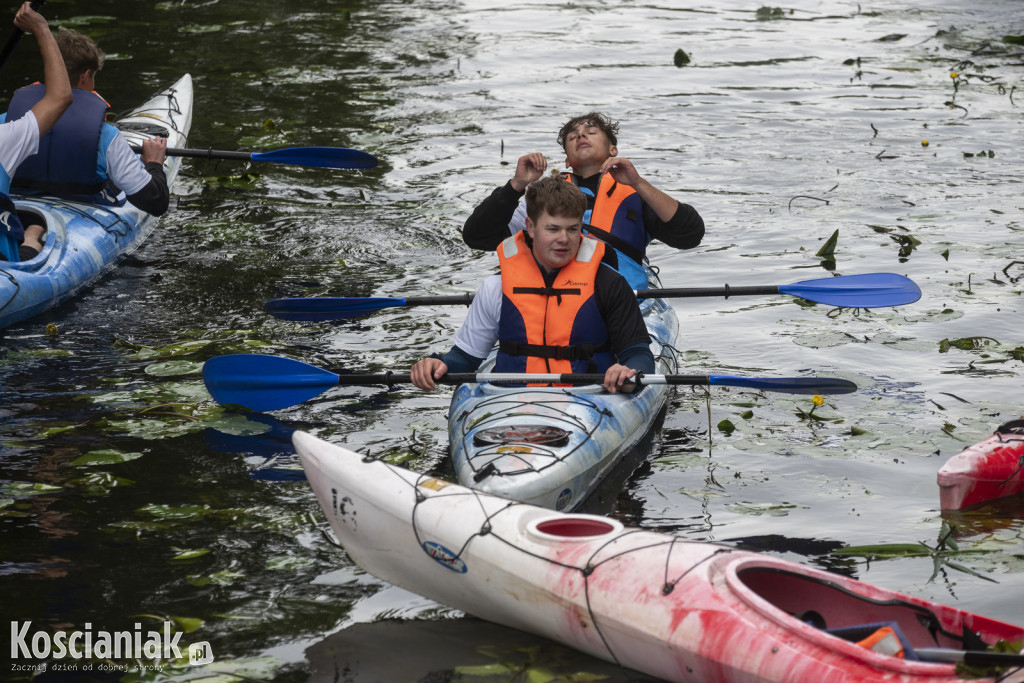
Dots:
pixel 884 641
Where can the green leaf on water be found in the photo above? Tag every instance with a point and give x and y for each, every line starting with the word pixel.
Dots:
pixel 495 669
pixel 98 483
pixel 681 59
pixel 726 427
pixel 172 350
pixel 288 562
pixel 57 429
pixel 187 624
pixel 107 456
pixel 221 578
pixel 21 489
pixel 828 250
pixel 189 555
pixel 884 550
pixel 762 509
pixel 174 511
pixel 173 368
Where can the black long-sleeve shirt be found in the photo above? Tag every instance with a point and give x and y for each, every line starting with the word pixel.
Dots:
pixel 487 226
pixel 155 197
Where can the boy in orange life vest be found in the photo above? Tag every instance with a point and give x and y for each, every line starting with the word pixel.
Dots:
pixel 624 209
pixel 555 307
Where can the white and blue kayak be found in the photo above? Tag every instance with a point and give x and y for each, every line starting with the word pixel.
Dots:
pixel 552 446
pixel 85 241
pixel 675 609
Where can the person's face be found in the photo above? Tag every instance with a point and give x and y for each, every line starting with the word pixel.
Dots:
pixel 556 239
pixel 587 144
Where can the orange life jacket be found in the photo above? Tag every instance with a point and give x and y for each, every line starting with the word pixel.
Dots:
pixel 615 216
pixel 550 329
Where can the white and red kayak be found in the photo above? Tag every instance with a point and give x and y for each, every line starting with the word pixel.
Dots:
pixel 671 608
pixel 990 469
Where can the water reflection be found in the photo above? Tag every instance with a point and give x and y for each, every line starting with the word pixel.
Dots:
pixel 814 103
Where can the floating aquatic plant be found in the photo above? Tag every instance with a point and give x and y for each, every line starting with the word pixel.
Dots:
pixel 107 456
pixel 766 13
pixel 945 550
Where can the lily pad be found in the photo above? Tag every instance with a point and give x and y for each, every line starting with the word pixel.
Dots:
pixel 288 562
pixel 21 489
pixel 173 368
pixel 107 456
pixel 762 509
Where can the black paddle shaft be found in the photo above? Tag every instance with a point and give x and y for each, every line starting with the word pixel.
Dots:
pixel 726 291
pixel 390 379
pixel 202 153
pixel 16 37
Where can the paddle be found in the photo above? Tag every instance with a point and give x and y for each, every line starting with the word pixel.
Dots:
pixel 262 382
pixel 17 35
pixel 313 157
pixel 867 290
pixel 972 657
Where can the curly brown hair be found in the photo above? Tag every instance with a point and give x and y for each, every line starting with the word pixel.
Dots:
pixel 608 127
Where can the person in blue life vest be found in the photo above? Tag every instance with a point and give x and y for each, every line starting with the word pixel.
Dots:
pixel 83 158
pixel 624 209
pixel 20 139
pixel 555 307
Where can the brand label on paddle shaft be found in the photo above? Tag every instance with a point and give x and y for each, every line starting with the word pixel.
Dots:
pixel 445 557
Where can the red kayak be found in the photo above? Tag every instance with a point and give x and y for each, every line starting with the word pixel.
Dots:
pixel 675 609
pixel 993 468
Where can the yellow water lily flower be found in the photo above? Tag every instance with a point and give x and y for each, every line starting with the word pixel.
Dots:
pixel 817 400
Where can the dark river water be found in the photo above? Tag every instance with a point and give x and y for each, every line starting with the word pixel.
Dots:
pixel 785 127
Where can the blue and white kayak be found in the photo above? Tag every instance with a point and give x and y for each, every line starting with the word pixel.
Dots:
pixel 552 446
pixel 84 241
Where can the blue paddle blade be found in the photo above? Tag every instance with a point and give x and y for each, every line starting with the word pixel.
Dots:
pixel 867 290
pixel 319 157
pixel 261 382
pixel 787 385
pixel 329 308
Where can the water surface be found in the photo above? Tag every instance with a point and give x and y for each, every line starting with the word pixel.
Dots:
pixel 781 130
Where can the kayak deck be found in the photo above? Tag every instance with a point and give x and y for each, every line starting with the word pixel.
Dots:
pixel 551 446
pixel 671 608
pixel 84 241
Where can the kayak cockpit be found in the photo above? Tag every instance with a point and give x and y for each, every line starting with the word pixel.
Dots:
pixel 29 216
pixel 843 615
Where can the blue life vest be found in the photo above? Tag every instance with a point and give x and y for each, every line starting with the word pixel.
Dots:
pixel 67 162
pixel 615 215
